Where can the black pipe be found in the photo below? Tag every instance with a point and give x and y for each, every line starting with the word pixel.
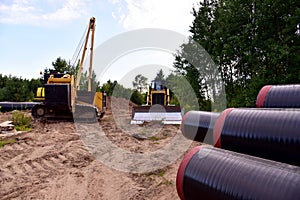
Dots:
pixel 279 96
pixel 211 173
pixel 10 106
pixel 198 126
pixel 267 133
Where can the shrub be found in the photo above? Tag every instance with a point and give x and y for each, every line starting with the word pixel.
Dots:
pixel 137 98
pixel 21 121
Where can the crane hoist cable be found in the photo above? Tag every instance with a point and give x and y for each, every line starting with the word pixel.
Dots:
pixel 79 47
pixel 78 50
pixel 84 77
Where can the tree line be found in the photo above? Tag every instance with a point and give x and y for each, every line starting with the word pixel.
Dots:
pixel 252 44
pixel 18 89
pixel 137 94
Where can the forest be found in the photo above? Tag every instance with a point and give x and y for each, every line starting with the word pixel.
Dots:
pixel 252 44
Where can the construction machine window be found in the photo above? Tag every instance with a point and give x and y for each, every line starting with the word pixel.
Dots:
pixel 153 85
pixel 156 85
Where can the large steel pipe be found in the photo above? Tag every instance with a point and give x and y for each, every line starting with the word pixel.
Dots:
pixel 279 96
pixel 10 106
pixel 267 133
pixel 211 173
pixel 198 126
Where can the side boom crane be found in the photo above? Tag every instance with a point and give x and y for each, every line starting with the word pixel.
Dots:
pixel 61 94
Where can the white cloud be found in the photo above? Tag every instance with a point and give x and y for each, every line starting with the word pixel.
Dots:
pixel 113 15
pixel 114 1
pixel 41 12
pixel 168 14
pixel 72 9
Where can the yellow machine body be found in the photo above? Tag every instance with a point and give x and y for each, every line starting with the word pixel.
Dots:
pixel 161 97
pixel 157 107
pixel 99 101
pixel 63 99
pixel 40 94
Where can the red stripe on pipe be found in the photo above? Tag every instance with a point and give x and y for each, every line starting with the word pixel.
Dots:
pixel 219 126
pixel 181 170
pixel 262 95
pixel 182 122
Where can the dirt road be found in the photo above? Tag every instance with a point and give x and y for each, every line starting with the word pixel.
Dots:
pixel 51 162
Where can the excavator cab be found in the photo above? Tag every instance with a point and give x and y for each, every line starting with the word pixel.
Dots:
pixel 157 94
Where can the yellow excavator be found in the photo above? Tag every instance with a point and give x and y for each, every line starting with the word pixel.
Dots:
pixel 61 97
pixel 157 107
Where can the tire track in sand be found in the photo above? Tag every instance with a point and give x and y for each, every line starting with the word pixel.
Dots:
pixel 36 158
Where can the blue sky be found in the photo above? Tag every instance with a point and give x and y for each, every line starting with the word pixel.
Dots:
pixel 33 33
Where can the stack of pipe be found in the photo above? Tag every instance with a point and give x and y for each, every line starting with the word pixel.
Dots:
pixel 259 135
pixel 279 96
pixel 212 173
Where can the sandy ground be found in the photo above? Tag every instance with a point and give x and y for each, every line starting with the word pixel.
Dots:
pixel 51 162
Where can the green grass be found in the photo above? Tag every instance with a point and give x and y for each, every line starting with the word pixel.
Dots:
pixel 22 128
pixel 21 121
pixel 153 138
pixel 5 142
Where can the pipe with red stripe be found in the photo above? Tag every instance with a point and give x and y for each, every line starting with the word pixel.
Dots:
pixel 267 133
pixel 198 126
pixel 211 173
pixel 279 96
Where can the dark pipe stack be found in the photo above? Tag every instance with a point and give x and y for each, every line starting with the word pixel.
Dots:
pixel 271 133
pixel 212 173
